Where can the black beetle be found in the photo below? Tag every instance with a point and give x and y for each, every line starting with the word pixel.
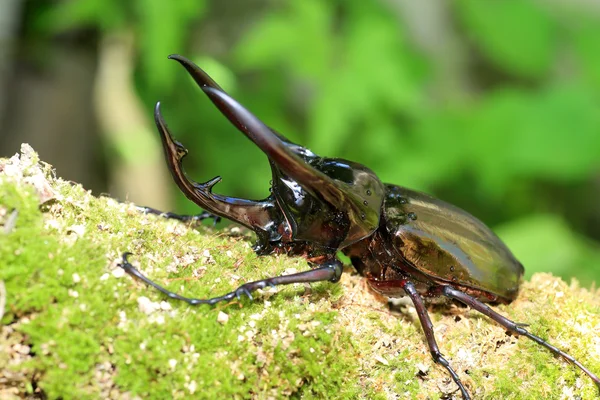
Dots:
pixel 404 242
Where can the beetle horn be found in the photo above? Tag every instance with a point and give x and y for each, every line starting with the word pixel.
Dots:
pixel 199 76
pixel 203 80
pixel 276 149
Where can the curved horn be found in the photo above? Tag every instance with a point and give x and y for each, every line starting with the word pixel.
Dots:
pixel 273 144
pixel 203 80
pixel 255 215
pixel 276 149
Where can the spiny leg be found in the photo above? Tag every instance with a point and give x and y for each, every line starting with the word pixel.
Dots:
pixel 329 271
pixel 512 326
pixel 437 356
pixel 196 218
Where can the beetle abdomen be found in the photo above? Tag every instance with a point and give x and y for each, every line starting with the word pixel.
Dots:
pixel 449 244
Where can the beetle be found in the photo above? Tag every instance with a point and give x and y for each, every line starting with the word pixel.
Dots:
pixel 404 242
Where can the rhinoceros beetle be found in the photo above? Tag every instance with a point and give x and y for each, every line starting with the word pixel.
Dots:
pixel 404 242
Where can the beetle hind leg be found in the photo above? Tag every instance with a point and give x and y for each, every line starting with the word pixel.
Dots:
pixel 512 326
pixel 437 356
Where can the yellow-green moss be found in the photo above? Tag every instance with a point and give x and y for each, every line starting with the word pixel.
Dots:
pixel 89 337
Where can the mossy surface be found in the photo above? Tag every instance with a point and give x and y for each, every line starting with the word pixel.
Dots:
pixel 74 326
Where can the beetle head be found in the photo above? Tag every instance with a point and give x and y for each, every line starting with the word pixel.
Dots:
pixel 326 202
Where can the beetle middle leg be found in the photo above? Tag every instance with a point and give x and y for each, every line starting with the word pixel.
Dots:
pixel 511 326
pixel 195 218
pixel 329 271
pixel 411 291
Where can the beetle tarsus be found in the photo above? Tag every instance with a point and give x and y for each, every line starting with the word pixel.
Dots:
pixel 513 327
pixel 427 325
pixel 195 218
pixel 329 271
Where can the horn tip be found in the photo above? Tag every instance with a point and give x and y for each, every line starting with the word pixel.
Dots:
pixel 181 60
pixel 158 118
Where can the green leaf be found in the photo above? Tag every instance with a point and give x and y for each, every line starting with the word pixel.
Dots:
pixel 552 135
pixel 560 137
pixel 587 48
pixel 545 243
pixel 65 15
pixel 434 152
pixel 514 34
pixel 163 27
pixel 297 37
pixel 371 79
pixel 490 129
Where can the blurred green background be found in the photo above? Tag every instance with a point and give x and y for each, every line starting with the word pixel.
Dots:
pixel 491 105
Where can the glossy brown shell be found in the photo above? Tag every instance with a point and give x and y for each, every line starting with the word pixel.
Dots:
pixel 448 244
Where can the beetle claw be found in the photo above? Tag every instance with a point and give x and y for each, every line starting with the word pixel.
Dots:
pixel 242 290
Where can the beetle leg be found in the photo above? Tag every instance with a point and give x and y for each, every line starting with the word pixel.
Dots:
pixel 330 271
pixel 437 356
pixel 512 326
pixel 256 215
pixel 183 218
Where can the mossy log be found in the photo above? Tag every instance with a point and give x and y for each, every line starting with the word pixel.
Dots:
pixel 74 326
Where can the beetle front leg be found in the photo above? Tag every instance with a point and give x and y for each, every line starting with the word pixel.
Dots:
pixel 512 326
pixel 330 271
pixel 410 289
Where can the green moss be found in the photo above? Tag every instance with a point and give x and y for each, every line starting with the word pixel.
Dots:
pixel 90 337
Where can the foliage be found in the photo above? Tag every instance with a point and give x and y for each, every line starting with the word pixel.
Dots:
pixel 516 141
pixel 159 26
